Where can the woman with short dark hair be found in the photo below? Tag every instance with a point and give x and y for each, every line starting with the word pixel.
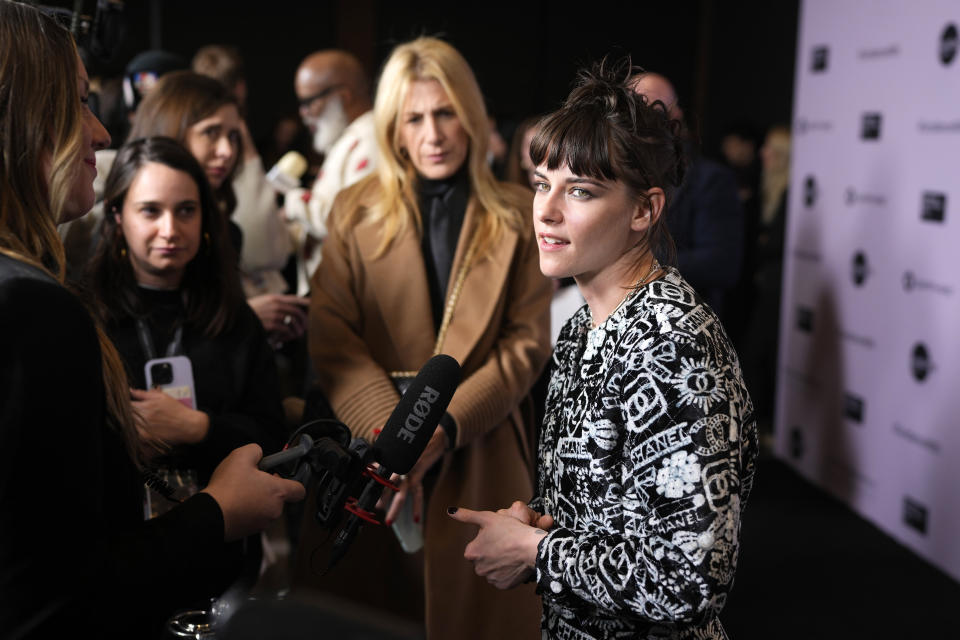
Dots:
pixel 648 447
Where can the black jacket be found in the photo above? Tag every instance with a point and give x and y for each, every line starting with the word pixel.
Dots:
pixel 76 557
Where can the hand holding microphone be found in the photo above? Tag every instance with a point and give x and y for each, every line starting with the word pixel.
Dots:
pixel 409 443
pixel 410 486
pixel 249 498
pixel 409 432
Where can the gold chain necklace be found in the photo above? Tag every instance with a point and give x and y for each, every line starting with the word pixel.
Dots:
pixel 654 267
pixel 449 307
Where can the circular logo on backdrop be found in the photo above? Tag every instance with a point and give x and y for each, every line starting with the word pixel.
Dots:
pixel 920 362
pixel 948 44
pixel 860 268
pixel 809 191
pixel 821 55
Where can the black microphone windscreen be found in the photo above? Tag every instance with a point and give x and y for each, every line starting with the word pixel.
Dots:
pixel 416 416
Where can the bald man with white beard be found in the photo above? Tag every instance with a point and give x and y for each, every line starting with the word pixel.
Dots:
pixel 334 95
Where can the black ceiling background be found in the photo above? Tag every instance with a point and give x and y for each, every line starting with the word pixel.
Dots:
pixel 730 61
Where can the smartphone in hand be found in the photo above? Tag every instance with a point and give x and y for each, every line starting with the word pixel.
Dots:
pixel 173 376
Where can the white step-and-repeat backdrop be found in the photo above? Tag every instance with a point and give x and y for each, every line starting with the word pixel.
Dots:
pixel 869 364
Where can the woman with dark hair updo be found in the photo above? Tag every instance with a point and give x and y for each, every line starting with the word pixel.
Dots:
pixel 648 448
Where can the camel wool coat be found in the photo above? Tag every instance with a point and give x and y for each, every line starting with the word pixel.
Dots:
pixel 370 315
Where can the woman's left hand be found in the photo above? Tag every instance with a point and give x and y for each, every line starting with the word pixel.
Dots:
pixel 167 420
pixel 283 316
pixel 505 549
pixel 411 485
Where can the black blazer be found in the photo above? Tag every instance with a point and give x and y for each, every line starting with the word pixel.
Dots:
pixel 707 224
pixel 74 549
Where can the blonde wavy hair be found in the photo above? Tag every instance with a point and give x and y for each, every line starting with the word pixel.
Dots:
pixel 41 152
pixel 776 171
pixel 429 59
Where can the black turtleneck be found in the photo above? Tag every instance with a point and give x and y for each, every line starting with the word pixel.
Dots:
pixel 443 206
pixel 164 315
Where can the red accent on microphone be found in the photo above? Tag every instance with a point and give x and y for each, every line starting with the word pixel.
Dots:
pixel 351 506
pixel 370 472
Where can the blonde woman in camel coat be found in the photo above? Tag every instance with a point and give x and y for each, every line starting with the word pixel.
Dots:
pixel 372 313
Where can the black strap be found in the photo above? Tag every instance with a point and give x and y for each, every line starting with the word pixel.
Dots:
pixel 175 347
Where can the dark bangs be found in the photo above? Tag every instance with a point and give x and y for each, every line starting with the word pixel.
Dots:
pixel 606 131
pixel 578 137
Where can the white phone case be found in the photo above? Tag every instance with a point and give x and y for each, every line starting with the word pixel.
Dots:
pixel 173 376
pixel 408 532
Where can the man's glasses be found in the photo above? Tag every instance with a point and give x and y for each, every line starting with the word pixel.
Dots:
pixel 309 100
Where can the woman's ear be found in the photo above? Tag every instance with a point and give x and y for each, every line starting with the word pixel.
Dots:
pixel 648 210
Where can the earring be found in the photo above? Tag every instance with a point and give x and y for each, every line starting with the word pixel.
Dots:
pixel 123 252
pixel 206 237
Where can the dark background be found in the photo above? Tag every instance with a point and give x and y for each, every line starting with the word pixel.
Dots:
pixel 730 62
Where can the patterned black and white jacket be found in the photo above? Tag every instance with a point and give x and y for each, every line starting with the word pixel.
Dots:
pixel 646 458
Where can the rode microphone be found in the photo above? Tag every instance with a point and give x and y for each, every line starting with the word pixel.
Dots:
pixel 402 440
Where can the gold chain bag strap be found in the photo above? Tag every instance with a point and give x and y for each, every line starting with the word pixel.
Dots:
pixel 402 379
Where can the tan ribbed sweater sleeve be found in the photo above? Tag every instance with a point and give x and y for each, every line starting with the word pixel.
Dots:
pixel 358 389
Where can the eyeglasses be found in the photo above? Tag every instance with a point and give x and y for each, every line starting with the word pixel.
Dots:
pixel 309 100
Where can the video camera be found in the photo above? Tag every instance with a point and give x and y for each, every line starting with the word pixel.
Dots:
pixel 98 34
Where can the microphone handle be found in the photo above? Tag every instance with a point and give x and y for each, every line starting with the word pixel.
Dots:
pixel 291 453
pixel 366 502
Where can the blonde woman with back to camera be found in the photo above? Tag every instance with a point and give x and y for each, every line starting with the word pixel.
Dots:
pixel 76 557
